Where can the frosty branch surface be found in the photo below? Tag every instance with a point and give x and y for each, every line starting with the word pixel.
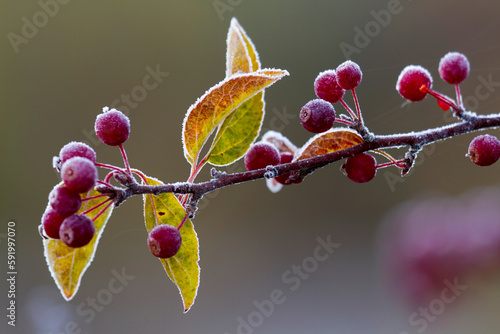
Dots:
pixel 413 140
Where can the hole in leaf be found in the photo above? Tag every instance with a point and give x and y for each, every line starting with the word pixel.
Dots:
pixel 161 213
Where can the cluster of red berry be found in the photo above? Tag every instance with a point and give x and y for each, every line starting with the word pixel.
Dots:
pixel 318 116
pixel 76 163
pixel 78 167
pixel 415 82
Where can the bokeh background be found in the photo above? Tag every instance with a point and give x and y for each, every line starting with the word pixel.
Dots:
pixel 89 54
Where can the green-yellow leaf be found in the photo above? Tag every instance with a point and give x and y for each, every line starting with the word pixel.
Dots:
pixel 327 142
pixel 67 265
pixel 240 129
pixel 182 268
pixel 238 132
pixel 217 103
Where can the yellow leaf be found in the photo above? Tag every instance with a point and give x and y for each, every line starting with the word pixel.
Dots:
pixel 182 268
pixel 66 264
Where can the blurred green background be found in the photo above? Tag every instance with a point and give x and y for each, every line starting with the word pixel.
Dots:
pixel 56 77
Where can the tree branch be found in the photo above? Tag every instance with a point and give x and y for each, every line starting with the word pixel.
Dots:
pixel 414 140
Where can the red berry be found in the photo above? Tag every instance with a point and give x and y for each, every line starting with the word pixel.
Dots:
pixel 79 174
pixel 77 230
pixel 360 168
pixel 349 75
pixel 484 150
pixel 286 157
pixel 410 80
pixel 51 221
pixel 77 149
pixel 64 200
pixel 327 88
pixel 164 241
pixel 317 116
pixel 261 155
pixel 112 127
pixel 454 67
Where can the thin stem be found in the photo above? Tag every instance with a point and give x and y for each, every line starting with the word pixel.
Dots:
pixel 96 206
pixel 183 221
pixel 198 168
pixel 349 110
pixel 125 160
pixel 105 183
pixel 108 177
pixel 440 97
pixel 344 121
pixel 391 158
pixel 459 95
pixel 98 164
pixel 102 211
pixel 184 198
pixel 141 175
pixel 93 197
pixel 390 163
pixel 356 102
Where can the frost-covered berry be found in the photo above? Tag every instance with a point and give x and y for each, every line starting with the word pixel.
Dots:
pixel 261 155
pixel 77 230
pixel 411 78
pixel 164 241
pixel 64 200
pixel 454 67
pixel 360 168
pixel 112 127
pixel 79 174
pixel 484 150
pixel 286 157
pixel 76 149
pixel 327 88
pixel 317 116
pixel 51 221
pixel 349 75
